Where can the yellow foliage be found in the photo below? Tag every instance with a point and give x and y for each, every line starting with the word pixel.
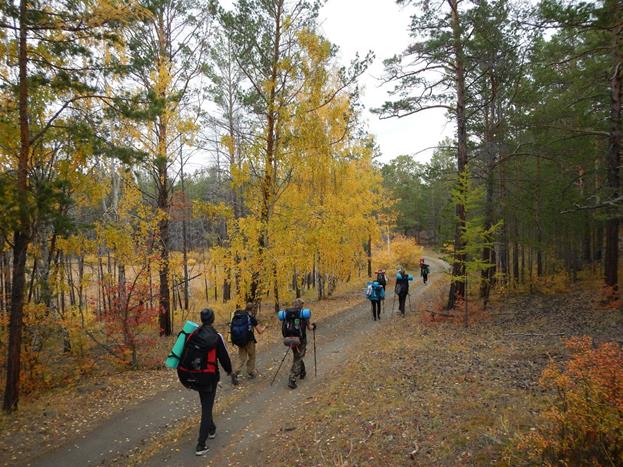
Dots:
pixel 401 251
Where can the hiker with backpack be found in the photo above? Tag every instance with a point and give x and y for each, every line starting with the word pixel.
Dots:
pixel 198 369
pixel 381 278
pixel 294 330
pixel 424 270
pixel 375 292
pixel 243 323
pixel 402 288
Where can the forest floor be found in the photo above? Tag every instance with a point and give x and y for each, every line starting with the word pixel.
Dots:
pixel 402 391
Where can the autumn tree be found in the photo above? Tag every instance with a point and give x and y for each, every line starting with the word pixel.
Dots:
pixel 52 54
pixel 168 50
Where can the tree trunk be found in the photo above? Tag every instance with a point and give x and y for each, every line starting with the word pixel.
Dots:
pixel 21 235
pixel 164 298
pixel 369 256
pixel 613 157
pixel 457 284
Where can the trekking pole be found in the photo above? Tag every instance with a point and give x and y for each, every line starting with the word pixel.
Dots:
pixel 279 368
pixel 315 362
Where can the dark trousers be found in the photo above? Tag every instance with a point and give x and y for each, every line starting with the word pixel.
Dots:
pixel 401 302
pixel 425 277
pixel 376 309
pixel 207 425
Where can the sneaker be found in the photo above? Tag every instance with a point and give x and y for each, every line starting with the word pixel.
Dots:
pixel 212 434
pixel 201 449
pixel 234 379
pixel 292 384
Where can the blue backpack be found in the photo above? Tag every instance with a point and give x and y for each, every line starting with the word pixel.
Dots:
pixel 375 291
pixel 241 329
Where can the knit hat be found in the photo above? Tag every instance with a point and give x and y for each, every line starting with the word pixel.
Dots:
pixel 207 316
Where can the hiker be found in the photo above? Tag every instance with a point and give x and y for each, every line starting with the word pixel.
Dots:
pixel 402 288
pixel 243 323
pixel 198 370
pixel 424 270
pixel 296 327
pixel 381 278
pixel 375 293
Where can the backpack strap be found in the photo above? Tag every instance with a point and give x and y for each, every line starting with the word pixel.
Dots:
pixel 179 357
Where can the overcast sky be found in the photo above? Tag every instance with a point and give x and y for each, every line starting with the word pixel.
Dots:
pixel 381 26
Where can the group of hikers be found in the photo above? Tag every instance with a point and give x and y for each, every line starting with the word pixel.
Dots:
pixel 205 350
pixel 375 291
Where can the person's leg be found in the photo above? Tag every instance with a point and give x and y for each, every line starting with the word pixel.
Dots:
pixel 401 303
pixel 294 369
pixel 242 357
pixel 251 359
pixel 373 309
pixel 298 353
pixel 207 426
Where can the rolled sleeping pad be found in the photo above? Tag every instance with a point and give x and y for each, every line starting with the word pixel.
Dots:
pixel 291 341
pixel 176 352
pixel 305 313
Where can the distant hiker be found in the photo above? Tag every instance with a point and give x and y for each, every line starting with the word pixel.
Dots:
pixel 243 323
pixel 402 288
pixel 381 278
pixel 294 326
pixel 198 370
pixel 424 270
pixel 375 293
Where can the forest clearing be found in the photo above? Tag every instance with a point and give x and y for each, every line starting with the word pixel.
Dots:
pixel 311 232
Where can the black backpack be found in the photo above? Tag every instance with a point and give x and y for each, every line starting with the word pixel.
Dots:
pixel 380 278
pixel 241 329
pixel 293 324
pixel 198 366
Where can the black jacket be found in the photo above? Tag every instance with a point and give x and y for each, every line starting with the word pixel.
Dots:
pixel 198 370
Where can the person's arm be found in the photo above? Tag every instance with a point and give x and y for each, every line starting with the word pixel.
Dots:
pixel 256 325
pixel 223 355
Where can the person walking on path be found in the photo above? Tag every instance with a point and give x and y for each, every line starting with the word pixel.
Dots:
pixel 243 325
pixel 300 326
pixel 402 288
pixel 375 293
pixel 381 278
pixel 199 370
pixel 424 270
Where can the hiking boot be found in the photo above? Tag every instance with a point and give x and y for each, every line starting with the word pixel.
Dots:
pixel 292 384
pixel 212 434
pixel 201 449
pixel 234 379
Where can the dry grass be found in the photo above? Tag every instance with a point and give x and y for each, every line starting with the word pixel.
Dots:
pixel 433 393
